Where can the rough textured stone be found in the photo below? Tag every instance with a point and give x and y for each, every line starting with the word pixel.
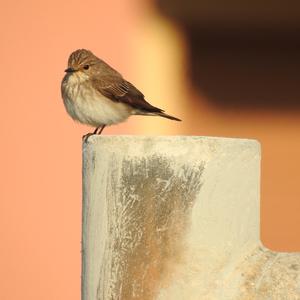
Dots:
pixel 177 218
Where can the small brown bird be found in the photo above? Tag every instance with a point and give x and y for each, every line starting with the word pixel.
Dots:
pixel 97 95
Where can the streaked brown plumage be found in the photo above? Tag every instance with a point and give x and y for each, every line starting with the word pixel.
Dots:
pixel 96 94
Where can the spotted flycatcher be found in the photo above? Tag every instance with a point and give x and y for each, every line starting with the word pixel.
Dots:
pixel 97 95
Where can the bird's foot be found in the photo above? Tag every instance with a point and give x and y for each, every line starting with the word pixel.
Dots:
pixel 86 136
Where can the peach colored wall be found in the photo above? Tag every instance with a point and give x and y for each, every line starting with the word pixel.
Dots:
pixel 40 194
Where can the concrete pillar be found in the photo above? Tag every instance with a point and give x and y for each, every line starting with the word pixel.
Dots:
pixel 170 218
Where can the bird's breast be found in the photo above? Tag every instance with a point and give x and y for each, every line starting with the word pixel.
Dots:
pixel 86 105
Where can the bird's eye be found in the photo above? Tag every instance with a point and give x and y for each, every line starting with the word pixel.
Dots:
pixel 86 67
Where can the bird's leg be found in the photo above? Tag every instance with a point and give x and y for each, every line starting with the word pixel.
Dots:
pixel 101 129
pixel 85 137
pixel 95 131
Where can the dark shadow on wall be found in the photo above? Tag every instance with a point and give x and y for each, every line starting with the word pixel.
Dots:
pixel 242 57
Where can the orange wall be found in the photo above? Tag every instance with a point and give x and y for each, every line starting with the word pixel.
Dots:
pixel 40 213
pixel 40 193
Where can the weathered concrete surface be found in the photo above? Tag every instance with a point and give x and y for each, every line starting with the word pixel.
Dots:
pixel 177 218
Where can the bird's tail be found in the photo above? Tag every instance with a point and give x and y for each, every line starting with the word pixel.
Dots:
pixel 156 113
pixel 164 115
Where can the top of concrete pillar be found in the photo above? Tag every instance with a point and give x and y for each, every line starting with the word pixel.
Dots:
pixel 175 145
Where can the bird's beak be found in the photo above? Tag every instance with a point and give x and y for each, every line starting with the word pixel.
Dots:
pixel 70 70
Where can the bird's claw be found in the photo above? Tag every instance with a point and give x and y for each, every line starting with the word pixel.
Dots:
pixel 86 136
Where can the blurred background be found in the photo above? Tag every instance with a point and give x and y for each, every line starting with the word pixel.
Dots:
pixel 227 69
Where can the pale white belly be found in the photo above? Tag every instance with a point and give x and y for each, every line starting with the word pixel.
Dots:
pixel 92 108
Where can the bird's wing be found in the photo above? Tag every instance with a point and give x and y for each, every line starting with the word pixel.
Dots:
pixel 118 89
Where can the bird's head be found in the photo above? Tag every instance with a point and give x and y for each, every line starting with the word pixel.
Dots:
pixel 81 61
